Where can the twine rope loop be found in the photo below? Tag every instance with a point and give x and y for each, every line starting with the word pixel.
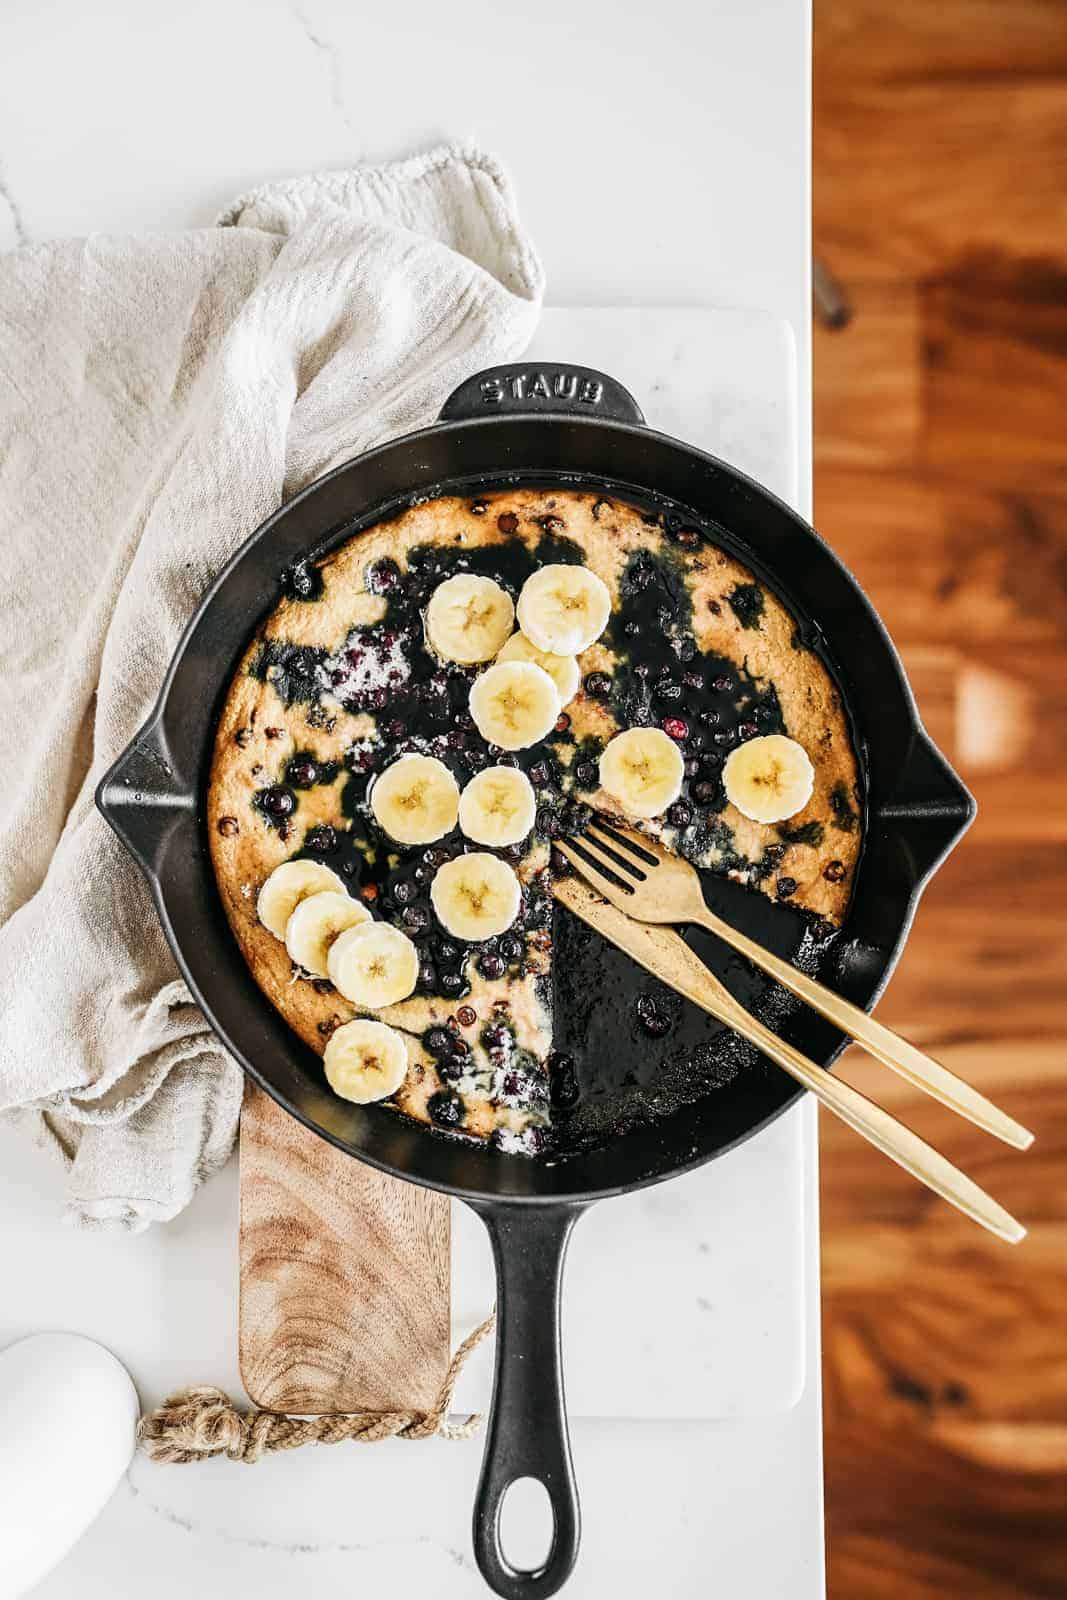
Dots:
pixel 200 1422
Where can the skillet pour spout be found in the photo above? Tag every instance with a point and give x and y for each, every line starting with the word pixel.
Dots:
pixel 549 424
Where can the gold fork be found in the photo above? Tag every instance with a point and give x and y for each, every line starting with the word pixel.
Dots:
pixel 649 883
pixel 666 954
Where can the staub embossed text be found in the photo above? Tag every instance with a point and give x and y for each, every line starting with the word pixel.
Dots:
pixel 544 383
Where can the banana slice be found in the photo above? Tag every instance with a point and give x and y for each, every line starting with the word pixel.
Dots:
pixel 498 806
pixel 365 1061
pixel 315 924
pixel 643 770
pixel 514 704
pixel 373 965
pixel 476 896
pixel 468 618
pixel 563 670
pixel 287 885
pixel 563 609
pixel 768 779
pixel 416 800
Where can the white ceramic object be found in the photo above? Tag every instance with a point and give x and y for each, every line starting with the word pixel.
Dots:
pixel 69 1413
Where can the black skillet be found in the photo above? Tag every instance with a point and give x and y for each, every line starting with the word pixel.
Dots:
pixel 568 426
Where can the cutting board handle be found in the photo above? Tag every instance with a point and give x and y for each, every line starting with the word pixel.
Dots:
pixel 527 1435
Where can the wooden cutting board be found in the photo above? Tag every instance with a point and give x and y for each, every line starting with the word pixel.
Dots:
pixel 344 1275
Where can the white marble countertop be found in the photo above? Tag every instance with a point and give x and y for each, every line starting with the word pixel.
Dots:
pixel 670 169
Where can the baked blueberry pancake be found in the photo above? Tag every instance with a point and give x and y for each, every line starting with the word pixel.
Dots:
pixel 434 703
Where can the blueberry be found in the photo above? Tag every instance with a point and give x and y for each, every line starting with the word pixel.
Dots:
pixel 540 774
pixel 724 738
pixel 438 1041
pixel 427 977
pixel 547 823
pixel 642 670
pixel 679 815
pixel 452 983
pixel 705 793
pixel 446 951
pixel 383 577
pixel 747 730
pixel 457 738
pixel 301 772
pixel 405 892
pixel 709 718
pixel 510 947
pixel 691 766
pixel 277 802
pixel 586 773
pixel 631 630
pixel 641 574
pixel 450 1068
pixel 322 838
pixel 491 965
pixel 598 684
pixel 786 887
pixel 445 1108
pixel 416 918
pixel 723 685
pixel 652 1017
pixel 687 538
pixel 667 689
pixel 694 680
pixel 495 1036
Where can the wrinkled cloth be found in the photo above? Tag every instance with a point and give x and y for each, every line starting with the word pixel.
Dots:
pixel 159 397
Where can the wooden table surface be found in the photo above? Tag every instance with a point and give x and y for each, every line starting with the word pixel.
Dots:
pixel 941 449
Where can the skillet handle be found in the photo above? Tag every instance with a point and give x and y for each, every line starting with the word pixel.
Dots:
pixel 527 1435
pixel 549 387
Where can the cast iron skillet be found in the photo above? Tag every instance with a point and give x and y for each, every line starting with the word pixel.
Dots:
pixel 575 428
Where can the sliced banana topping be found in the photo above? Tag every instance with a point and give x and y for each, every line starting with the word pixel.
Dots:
pixel 768 779
pixel 563 608
pixel 643 770
pixel 563 670
pixel 514 704
pixel 365 1061
pixel 498 806
pixel 468 618
pixel 287 885
pixel 373 965
pixel 316 923
pixel 416 800
pixel 476 896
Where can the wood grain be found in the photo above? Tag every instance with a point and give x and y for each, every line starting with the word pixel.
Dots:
pixel 344 1275
pixel 940 143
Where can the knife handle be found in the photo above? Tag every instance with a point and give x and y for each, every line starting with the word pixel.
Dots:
pixel 876 1125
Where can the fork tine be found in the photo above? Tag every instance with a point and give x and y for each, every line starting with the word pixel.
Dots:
pixel 646 850
pixel 609 887
pixel 623 866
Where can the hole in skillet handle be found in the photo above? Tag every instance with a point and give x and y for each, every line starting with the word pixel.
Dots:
pixel 527 1435
pixel 552 387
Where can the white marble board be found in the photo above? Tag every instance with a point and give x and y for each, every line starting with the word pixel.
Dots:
pixel 686 1299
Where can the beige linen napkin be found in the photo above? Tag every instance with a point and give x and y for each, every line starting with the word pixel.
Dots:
pixel 159 397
